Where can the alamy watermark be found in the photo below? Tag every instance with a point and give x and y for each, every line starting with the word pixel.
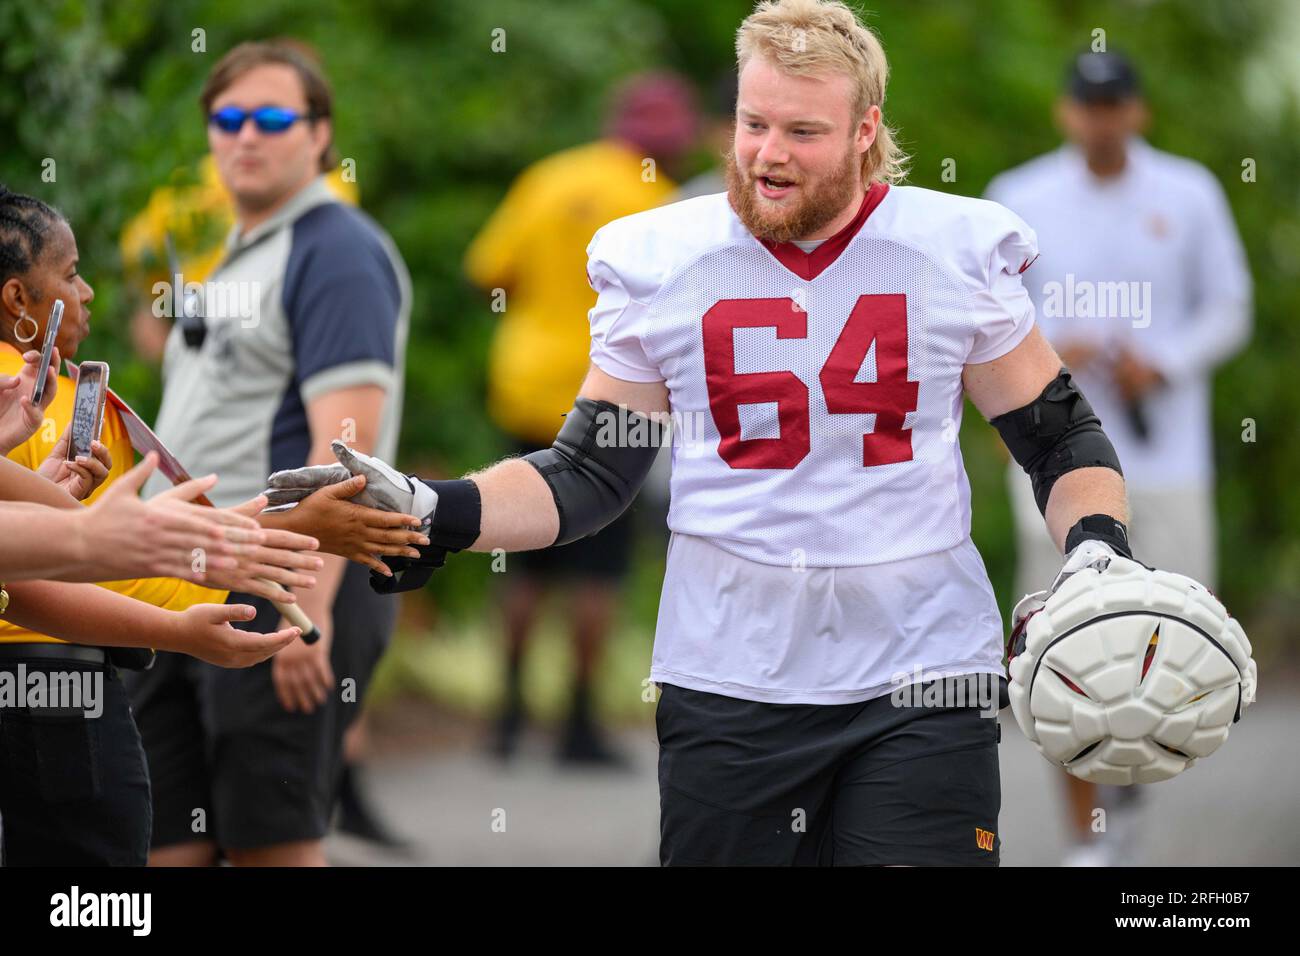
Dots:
pixel 235 299
pixel 133 911
pixel 946 689
pixel 1085 299
pixel 625 429
pixel 41 689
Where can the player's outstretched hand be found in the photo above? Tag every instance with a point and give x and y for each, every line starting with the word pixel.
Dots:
pixel 386 489
pixel 204 631
pixel 289 487
pixel 19 418
pixel 81 477
pixel 355 532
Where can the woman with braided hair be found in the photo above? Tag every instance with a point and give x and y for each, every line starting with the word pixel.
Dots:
pixel 32 234
pixel 76 790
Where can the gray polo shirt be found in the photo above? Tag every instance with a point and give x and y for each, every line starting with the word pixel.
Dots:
pixel 315 299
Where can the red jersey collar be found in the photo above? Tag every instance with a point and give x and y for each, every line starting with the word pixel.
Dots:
pixel 809 265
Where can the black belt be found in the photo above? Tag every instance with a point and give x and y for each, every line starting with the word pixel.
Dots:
pixel 52 652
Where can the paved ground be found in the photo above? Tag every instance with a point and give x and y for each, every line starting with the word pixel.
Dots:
pixel 462 807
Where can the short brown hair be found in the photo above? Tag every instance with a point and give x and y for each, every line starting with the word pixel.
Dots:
pixel 286 52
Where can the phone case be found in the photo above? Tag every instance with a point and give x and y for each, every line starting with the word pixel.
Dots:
pixel 47 349
pixel 88 408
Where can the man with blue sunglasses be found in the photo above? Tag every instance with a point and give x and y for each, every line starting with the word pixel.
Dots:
pixel 304 332
pixel 269 119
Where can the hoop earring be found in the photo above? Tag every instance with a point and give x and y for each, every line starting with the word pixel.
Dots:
pixel 36 328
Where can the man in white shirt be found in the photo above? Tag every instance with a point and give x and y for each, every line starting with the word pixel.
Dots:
pixel 813 333
pixel 1143 289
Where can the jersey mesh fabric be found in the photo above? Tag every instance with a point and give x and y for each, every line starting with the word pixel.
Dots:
pixel 889 584
pixel 829 510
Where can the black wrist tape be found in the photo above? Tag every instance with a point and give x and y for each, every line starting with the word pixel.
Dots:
pixel 1103 528
pixel 457 521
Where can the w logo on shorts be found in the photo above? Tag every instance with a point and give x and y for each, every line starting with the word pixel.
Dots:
pixel 984 839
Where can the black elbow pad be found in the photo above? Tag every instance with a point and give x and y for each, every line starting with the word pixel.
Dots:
pixel 597 464
pixel 1055 434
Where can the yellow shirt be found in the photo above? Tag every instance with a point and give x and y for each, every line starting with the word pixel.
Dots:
pixel 534 246
pixel 170 593
pixel 198 215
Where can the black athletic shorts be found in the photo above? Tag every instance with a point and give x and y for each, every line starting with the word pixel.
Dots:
pixel 866 784
pixel 74 790
pixel 219 741
pixel 604 556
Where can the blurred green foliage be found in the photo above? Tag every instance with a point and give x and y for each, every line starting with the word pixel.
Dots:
pixel 438 124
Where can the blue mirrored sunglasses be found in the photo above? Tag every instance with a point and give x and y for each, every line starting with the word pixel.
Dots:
pixel 269 119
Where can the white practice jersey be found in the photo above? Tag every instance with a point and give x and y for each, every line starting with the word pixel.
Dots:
pixel 817 399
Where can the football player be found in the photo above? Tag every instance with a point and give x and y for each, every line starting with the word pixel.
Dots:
pixel 813 333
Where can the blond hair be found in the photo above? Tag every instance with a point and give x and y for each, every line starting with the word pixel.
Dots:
pixel 817 37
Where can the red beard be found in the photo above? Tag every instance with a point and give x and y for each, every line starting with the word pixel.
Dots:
pixel 812 212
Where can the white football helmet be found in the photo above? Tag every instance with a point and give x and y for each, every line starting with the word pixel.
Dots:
pixel 1123 674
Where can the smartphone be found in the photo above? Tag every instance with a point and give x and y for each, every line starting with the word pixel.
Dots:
pixel 47 350
pixel 88 408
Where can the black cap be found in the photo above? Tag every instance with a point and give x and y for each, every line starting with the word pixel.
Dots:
pixel 1101 77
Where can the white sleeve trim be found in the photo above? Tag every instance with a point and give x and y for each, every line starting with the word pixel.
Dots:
pixel 616 369
pixel 348 375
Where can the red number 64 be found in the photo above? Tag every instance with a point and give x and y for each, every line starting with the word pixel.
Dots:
pixel 881 319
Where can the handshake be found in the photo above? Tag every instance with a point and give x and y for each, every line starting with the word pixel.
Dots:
pixel 386 489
